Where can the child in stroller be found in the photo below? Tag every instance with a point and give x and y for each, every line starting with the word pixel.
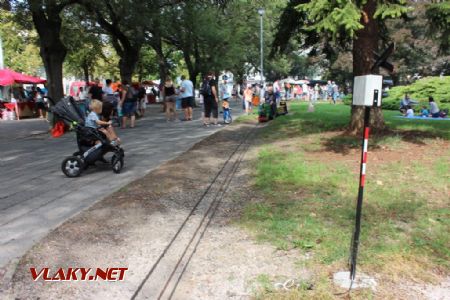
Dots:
pixel 93 121
pixel 93 144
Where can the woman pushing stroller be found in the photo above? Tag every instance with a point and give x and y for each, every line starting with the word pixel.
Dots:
pixel 93 121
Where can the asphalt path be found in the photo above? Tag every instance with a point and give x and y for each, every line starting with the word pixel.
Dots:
pixel 35 196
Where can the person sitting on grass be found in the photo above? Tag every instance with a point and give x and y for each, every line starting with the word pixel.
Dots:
pixel 409 112
pixel 434 108
pixel 93 121
pixel 424 112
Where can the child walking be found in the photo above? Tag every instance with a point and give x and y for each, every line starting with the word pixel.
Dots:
pixel 226 111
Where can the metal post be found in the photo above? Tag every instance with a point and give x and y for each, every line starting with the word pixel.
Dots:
pixel 362 179
pixel 262 52
pixel 261 14
pixel 2 66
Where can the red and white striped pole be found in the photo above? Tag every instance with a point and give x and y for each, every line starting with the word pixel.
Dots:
pixel 362 180
pixel 364 153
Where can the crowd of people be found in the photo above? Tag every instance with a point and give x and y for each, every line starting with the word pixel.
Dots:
pixel 122 103
pixel 312 92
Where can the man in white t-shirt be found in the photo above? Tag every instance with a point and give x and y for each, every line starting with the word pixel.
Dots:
pixel 187 97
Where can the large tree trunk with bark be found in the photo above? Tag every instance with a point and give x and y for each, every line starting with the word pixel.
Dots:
pixel 193 74
pixel 127 63
pixel 365 42
pixel 163 70
pixel 192 68
pixel 156 44
pixel 86 72
pixel 52 50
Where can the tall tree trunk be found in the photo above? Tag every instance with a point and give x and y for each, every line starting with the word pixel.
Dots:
pixel 193 77
pixel 52 50
pixel 53 62
pixel 140 72
pixel 192 68
pixel 127 63
pixel 86 72
pixel 163 70
pixel 365 42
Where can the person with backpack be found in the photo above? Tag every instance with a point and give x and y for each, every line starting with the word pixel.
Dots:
pixel 210 100
pixel 128 103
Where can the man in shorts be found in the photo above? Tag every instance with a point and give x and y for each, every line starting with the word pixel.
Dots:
pixel 210 101
pixel 187 97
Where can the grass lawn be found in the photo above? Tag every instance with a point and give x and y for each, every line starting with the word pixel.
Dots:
pixel 307 173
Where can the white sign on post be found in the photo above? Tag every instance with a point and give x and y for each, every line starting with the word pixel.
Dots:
pixel 367 89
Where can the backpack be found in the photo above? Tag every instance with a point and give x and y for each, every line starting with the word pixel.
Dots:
pixel 205 89
pixel 142 92
pixel 131 95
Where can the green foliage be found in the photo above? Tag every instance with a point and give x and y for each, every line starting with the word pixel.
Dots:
pixel 332 16
pixel 224 38
pixel 308 203
pixel 416 50
pixel 147 67
pixel 84 46
pixel 336 17
pixel 392 10
pixel 21 52
pixel 439 16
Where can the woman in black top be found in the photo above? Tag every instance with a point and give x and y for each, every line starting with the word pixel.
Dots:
pixel 169 99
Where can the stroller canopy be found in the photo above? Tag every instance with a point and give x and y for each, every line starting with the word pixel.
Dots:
pixel 67 110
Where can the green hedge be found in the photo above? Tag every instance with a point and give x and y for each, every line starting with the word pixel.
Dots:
pixel 420 90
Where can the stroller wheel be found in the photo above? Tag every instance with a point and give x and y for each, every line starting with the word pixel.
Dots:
pixel 117 163
pixel 72 166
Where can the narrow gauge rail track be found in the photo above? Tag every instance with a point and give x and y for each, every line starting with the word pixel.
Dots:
pixel 166 273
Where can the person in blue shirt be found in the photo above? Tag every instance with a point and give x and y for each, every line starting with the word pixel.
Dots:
pixel 187 97
pixel 424 112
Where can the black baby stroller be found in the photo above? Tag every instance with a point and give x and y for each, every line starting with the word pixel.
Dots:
pixel 88 151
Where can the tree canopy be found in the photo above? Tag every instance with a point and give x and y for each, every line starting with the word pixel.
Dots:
pixel 136 40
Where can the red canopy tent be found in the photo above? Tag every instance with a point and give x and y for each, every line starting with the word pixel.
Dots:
pixel 9 77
